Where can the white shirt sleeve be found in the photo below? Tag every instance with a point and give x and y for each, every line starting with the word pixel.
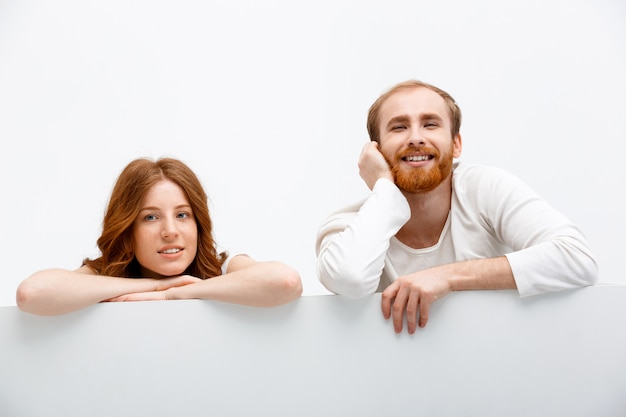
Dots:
pixel 550 252
pixel 351 245
pixel 547 252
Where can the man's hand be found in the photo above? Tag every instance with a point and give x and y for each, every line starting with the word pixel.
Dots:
pixel 414 294
pixel 373 165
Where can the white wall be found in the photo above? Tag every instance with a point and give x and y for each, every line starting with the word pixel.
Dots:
pixel 483 354
pixel 266 101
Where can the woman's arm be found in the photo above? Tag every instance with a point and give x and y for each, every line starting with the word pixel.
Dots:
pixel 58 291
pixel 247 282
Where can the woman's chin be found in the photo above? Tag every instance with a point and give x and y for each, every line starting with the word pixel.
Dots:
pixel 164 273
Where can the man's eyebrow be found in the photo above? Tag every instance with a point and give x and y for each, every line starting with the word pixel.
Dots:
pixel 403 118
pixel 430 116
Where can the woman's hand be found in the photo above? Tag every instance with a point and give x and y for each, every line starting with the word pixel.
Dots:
pixel 160 291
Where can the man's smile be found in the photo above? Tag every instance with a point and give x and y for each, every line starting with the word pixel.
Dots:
pixel 417 158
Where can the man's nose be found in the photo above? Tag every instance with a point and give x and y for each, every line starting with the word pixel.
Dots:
pixel 416 136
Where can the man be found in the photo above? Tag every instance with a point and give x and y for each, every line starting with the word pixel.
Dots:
pixel 431 226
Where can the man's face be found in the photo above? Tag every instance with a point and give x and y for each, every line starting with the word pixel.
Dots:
pixel 415 139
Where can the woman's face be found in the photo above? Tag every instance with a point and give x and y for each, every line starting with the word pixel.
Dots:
pixel 165 234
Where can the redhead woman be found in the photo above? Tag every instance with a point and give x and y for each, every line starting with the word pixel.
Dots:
pixel 157 244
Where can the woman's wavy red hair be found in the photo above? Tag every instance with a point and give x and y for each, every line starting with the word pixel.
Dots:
pixel 115 243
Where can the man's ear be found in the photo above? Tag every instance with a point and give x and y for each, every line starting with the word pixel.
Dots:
pixel 457 146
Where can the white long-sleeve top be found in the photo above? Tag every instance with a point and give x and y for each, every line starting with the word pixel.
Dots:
pixel 493 213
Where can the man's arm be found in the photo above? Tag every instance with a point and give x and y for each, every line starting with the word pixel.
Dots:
pixel 417 291
pixel 351 246
pixel 547 251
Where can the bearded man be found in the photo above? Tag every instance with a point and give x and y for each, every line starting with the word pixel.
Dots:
pixel 432 225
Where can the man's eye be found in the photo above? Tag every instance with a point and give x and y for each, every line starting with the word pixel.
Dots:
pixel 398 127
pixel 431 124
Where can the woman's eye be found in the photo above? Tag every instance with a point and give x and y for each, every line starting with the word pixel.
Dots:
pixel 183 215
pixel 150 217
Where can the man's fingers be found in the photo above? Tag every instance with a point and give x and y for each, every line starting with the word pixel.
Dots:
pixel 397 310
pixel 424 308
pixel 411 312
pixel 405 297
pixel 388 298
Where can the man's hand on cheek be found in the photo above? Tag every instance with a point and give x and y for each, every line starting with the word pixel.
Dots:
pixel 373 165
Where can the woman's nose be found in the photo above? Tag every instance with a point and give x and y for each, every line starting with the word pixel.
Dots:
pixel 169 229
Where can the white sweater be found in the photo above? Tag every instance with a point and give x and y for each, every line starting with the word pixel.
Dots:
pixel 492 214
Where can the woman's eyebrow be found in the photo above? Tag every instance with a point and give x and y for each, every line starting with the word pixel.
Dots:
pixel 154 208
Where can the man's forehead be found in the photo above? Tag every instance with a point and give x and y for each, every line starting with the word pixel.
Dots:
pixel 413 101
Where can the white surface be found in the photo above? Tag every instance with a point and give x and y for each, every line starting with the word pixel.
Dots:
pixel 483 354
pixel 267 102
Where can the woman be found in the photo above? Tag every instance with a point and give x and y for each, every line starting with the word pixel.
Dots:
pixel 157 231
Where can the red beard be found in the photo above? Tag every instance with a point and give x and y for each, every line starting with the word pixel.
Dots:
pixel 421 180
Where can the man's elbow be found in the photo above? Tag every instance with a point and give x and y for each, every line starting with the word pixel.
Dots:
pixel 346 281
pixel 593 272
pixel 585 269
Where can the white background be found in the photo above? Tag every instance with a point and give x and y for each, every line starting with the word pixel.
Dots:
pixel 267 101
